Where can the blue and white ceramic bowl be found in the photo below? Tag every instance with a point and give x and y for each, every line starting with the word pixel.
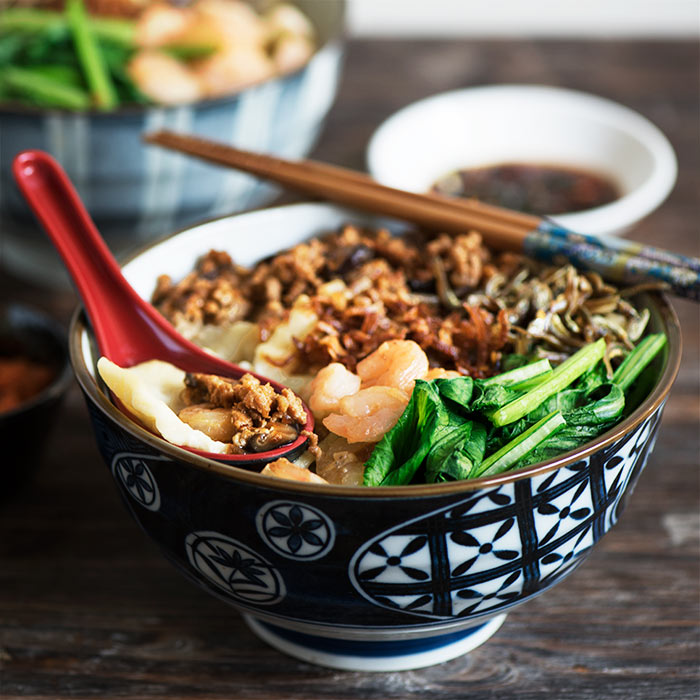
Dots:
pixel 140 193
pixel 359 578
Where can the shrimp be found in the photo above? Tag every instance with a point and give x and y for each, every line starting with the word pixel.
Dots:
pixel 292 52
pixel 368 414
pixel 329 386
pixel 163 78
pixel 441 373
pixel 234 68
pixel 160 24
pixel 282 468
pixel 395 363
pixel 236 22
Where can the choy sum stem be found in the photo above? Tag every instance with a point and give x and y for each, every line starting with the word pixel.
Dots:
pixel 518 376
pixel 563 375
pixel 512 452
pixel 29 20
pixel 96 74
pixel 40 88
pixel 638 359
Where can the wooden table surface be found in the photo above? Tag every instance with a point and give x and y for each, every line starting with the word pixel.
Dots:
pixel 89 608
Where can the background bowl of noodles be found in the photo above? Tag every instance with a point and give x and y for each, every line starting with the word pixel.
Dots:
pixel 364 578
pixel 138 194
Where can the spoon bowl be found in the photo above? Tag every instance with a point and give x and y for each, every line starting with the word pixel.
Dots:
pixel 128 329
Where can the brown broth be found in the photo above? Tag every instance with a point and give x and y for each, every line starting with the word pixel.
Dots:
pixel 532 189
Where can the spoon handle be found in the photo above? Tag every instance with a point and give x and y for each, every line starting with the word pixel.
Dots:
pixel 127 328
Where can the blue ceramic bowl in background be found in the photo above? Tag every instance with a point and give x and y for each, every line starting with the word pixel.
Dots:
pixel 363 578
pixel 138 193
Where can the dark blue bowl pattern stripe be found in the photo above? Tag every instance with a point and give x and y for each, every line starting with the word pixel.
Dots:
pixel 362 648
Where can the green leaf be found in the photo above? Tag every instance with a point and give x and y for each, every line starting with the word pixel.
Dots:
pixel 446 440
pixel 45 91
pixel 492 397
pixel 592 378
pixel 401 451
pixel 66 75
pixel 602 406
pixel 462 462
pixel 519 375
pixel 10 47
pixel 564 375
pixel 497 391
pixel 29 20
pixel 635 363
pixel 458 389
pixel 90 56
pixel 514 451
pixel 564 440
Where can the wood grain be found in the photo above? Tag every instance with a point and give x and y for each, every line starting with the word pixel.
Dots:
pixel 89 608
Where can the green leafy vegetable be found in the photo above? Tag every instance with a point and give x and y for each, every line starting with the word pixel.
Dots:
pixel 511 453
pixel 635 363
pixel 399 454
pixel 564 375
pixel 460 462
pixel 93 64
pixel 458 389
pixel 27 20
pixel 518 376
pixel 44 90
pixel 462 428
pixel 10 47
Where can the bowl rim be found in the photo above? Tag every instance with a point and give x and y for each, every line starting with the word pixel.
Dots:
pixel 641 200
pixel 79 326
pixel 64 370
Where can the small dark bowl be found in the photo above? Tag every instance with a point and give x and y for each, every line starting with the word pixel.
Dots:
pixel 30 333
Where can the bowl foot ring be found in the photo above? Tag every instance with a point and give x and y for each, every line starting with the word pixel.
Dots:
pixel 354 655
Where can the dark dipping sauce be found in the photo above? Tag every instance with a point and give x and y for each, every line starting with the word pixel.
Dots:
pixel 532 189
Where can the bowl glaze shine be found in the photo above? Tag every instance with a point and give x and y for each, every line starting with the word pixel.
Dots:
pixel 359 578
pixel 529 124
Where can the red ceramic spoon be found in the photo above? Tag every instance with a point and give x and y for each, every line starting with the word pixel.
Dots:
pixel 128 329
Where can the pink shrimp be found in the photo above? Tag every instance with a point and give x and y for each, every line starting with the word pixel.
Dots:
pixel 163 78
pixel 368 414
pixel 395 363
pixel 329 386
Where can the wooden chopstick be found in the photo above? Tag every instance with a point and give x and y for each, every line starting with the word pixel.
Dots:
pixel 500 228
pixel 615 259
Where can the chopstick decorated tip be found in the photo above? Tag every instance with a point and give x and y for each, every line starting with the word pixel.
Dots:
pixel 614 259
